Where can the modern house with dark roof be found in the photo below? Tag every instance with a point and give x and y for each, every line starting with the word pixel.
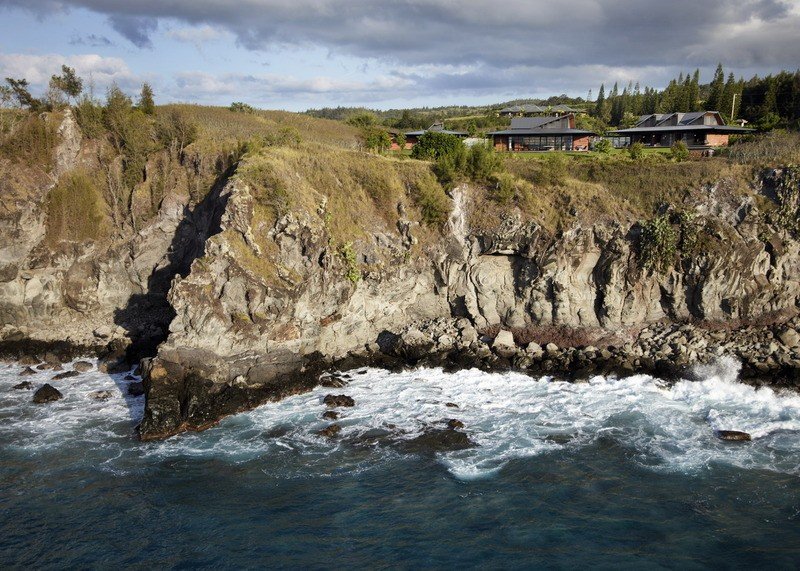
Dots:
pixel 541 134
pixel 698 129
pixel 413 136
pixel 520 110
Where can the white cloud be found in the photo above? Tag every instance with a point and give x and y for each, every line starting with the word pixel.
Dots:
pixel 38 69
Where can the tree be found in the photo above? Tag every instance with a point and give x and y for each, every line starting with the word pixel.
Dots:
pixel 715 94
pixel 6 95
pixel 400 139
pixel 599 106
pixel 146 102
pixel 20 93
pixel 432 145
pixel 241 107
pixel 67 83
pixel 361 120
pixel 375 139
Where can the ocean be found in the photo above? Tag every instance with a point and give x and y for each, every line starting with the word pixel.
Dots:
pixel 611 473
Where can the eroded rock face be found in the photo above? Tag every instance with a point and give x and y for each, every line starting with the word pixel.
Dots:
pixel 239 338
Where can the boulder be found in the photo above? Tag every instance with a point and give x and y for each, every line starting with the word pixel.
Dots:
pixel 26 372
pixel 334 401
pixel 101 395
pixel 333 382
pixel 790 338
pixel 330 431
pixel 65 375
pixel 438 440
pixel 46 393
pixel 454 423
pixel 29 360
pixel 136 389
pixel 451 405
pixel 24 385
pixel 83 366
pixel 733 435
pixel 330 415
pixel 503 344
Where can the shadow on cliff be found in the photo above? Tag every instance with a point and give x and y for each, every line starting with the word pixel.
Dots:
pixel 146 316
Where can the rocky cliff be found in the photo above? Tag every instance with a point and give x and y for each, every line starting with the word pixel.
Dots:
pixel 252 275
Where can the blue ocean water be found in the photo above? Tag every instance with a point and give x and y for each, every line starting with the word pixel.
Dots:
pixel 613 473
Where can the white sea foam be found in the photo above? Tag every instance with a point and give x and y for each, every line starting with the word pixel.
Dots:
pixel 508 415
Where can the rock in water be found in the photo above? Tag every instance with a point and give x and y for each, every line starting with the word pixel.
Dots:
pixel 65 375
pixel 24 385
pixel 83 366
pixel 136 389
pixel 733 435
pixel 334 401
pixel 331 431
pixel 330 415
pixel 454 423
pixel 27 371
pixel 438 440
pixel 47 393
pixel 451 405
pixel 101 395
pixel 333 382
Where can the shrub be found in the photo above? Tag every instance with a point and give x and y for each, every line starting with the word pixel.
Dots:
pixel 482 162
pixel 89 115
pixel 76 210
pixel 363 119
pixel 679 151
pixel 636 151
pixel 504 189
pixel 432 145
pixel 603 146
pixel 175 130
pixel 658 244
pixel 552 171
pixel 31 141
pixel 240 107
pixel 375 139
pixel 352 272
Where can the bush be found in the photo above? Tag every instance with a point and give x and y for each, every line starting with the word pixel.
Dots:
pixel 552 171
pixel 603 146
pixel 175 130
pixel 679 151
pixel 504 189
pixel 659 243
pixel 352 272
pixel 240 107
pixel 482 162
pixel 89 115
pixel 432 145
pixel 636 151
pixel 31 141
pixel 375 139
pixel 76 210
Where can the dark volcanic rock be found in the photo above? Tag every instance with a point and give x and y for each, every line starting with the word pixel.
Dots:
pixel 334 401
pixel 330 431
pixel 451 405
pixel 733 435
pixel 333 382
pixel 29 360
pixel 47 393
pixel 330 415
pixel 66 375
pixel 438 440
pixel 100 395
pixel 24 385
pixel 26 372
pixel 136 389
pixel 83 366
pixel 130 378
pixel 454 423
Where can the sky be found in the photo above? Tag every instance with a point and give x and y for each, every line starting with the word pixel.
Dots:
pixel 300 54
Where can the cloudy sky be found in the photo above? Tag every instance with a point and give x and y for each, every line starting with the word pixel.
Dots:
pixel 296 54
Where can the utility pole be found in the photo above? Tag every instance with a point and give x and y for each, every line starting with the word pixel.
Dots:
pixel 733 106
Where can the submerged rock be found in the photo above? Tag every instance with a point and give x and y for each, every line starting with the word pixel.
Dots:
pixel 83 366
pixel 100 395
pixel 136 389
pixel 438 440
pixel 47 393
pixel 65 375
pixel 334 401
pixel 330 431
pixel 733 435
pixel 330 415
pixel 451 405
pixel 333 382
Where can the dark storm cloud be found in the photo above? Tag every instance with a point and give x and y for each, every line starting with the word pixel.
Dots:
pixel 493 35
pixel 91 40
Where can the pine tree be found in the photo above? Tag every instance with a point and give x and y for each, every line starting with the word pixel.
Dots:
pixel 601 101
pixel 717 85
pixel 694 92
pixel 146 102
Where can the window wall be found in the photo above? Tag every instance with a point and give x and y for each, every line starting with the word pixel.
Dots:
pixel 542 143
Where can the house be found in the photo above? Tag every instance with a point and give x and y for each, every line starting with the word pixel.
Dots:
pixel 413 136
pixel 521 110
pixel 541 134
pixel 698 129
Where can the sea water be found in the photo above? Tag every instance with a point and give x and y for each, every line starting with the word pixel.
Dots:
pixel 613 473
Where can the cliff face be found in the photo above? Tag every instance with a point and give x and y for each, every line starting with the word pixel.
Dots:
pixel 271 305
pixel 296 260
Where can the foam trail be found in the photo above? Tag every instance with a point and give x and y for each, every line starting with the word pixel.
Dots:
pixel 509 415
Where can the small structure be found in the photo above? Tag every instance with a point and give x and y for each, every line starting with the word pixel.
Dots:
pixel 542 134
pixel 413 136
pixel 698 129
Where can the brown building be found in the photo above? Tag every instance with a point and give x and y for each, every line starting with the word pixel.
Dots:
pixel 698 129
pixel 542 134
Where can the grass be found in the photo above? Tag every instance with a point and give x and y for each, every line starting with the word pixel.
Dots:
pixel 76 211
pixel 31 140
